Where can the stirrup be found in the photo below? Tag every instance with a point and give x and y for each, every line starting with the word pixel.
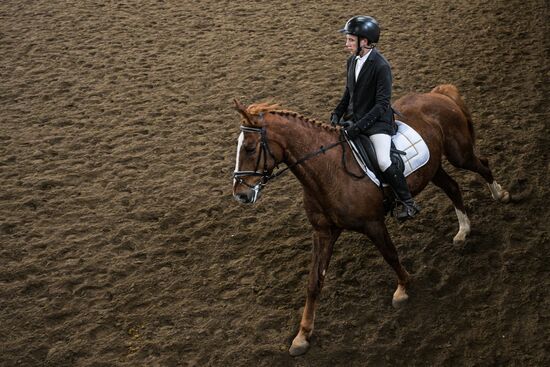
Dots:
pixel 404 211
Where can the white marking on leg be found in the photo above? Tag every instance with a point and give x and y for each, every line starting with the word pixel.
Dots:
pixel 498 193
pixel 324 272
pixel 463 226
pixel 496 190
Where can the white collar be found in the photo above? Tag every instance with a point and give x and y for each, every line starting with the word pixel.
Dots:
pixel 364 57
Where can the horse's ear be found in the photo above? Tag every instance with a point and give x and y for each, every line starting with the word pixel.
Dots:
pixel 241 108
pixel 238 105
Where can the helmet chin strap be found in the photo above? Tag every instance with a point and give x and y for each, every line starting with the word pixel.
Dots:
pixel 359 48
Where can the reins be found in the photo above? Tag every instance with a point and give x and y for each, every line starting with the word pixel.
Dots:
pixel 358 177
pixel 264 175
pixel 322 150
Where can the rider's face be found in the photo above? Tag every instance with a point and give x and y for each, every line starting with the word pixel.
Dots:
pixel 351 44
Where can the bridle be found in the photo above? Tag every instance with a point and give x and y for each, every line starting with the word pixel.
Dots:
pixel 264 174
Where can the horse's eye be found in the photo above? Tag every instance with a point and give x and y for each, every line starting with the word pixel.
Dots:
pixel 250 148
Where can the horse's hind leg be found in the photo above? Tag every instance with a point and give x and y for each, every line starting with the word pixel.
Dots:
pixel 497 192
pixel 480 165
pixel 378 234
pixel 450 187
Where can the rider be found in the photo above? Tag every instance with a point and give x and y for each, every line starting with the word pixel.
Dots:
pixel 365 106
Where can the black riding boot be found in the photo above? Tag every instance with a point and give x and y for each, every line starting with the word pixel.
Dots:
pixel 395 178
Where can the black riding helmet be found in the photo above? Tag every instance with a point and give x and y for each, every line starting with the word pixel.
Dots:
pixel 363 27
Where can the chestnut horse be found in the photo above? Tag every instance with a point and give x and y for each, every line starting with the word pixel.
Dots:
pixel 334 199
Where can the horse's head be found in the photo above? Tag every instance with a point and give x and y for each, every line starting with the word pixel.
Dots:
pixel 256 157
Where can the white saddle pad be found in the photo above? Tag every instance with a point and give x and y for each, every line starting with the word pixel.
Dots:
pixel 407 140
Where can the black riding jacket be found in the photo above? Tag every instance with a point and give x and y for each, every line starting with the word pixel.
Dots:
pixel 367 101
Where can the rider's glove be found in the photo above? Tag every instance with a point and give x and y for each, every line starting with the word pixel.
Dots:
pixel 334 119
pixel 353 131
pixel 346 124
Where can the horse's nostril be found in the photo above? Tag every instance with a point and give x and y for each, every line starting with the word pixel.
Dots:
pixel 243 198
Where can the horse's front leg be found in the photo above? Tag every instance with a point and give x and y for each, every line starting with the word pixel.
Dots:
pixel 378 233
pixel 323 242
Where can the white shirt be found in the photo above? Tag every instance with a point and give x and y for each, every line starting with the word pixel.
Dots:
pixel 359 62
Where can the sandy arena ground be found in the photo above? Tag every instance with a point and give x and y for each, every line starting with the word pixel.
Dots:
pixel 121 244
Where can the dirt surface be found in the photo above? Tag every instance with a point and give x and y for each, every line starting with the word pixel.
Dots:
pixel 121 244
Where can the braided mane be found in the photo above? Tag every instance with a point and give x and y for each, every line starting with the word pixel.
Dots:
pixel 258 109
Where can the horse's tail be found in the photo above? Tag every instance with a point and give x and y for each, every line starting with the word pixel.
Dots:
pixel 451 91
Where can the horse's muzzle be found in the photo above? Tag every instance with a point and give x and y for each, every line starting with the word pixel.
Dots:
pixel 247 196
pixel 242 198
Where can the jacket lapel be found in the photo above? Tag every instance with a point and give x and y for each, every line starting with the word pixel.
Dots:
pixel 368 64
pixel 351 74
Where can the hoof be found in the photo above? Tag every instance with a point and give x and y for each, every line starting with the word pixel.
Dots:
pixel 400 297
pixel 498 193
pixel 298 349
pixel 504 197
pixel 399 302
pixel 459 239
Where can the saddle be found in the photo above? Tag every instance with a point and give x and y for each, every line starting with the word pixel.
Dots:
pixel 368 155
pixel 408 151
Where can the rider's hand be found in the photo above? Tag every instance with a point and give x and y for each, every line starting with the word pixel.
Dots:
pixel 334 119
pixel 353 131
pixel 346 124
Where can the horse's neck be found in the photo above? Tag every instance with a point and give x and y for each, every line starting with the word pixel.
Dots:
pixel 301 140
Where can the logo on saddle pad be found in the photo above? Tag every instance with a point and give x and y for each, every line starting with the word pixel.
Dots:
pixel 406 140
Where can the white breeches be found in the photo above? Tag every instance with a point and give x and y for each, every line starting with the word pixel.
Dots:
pixel 382 145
